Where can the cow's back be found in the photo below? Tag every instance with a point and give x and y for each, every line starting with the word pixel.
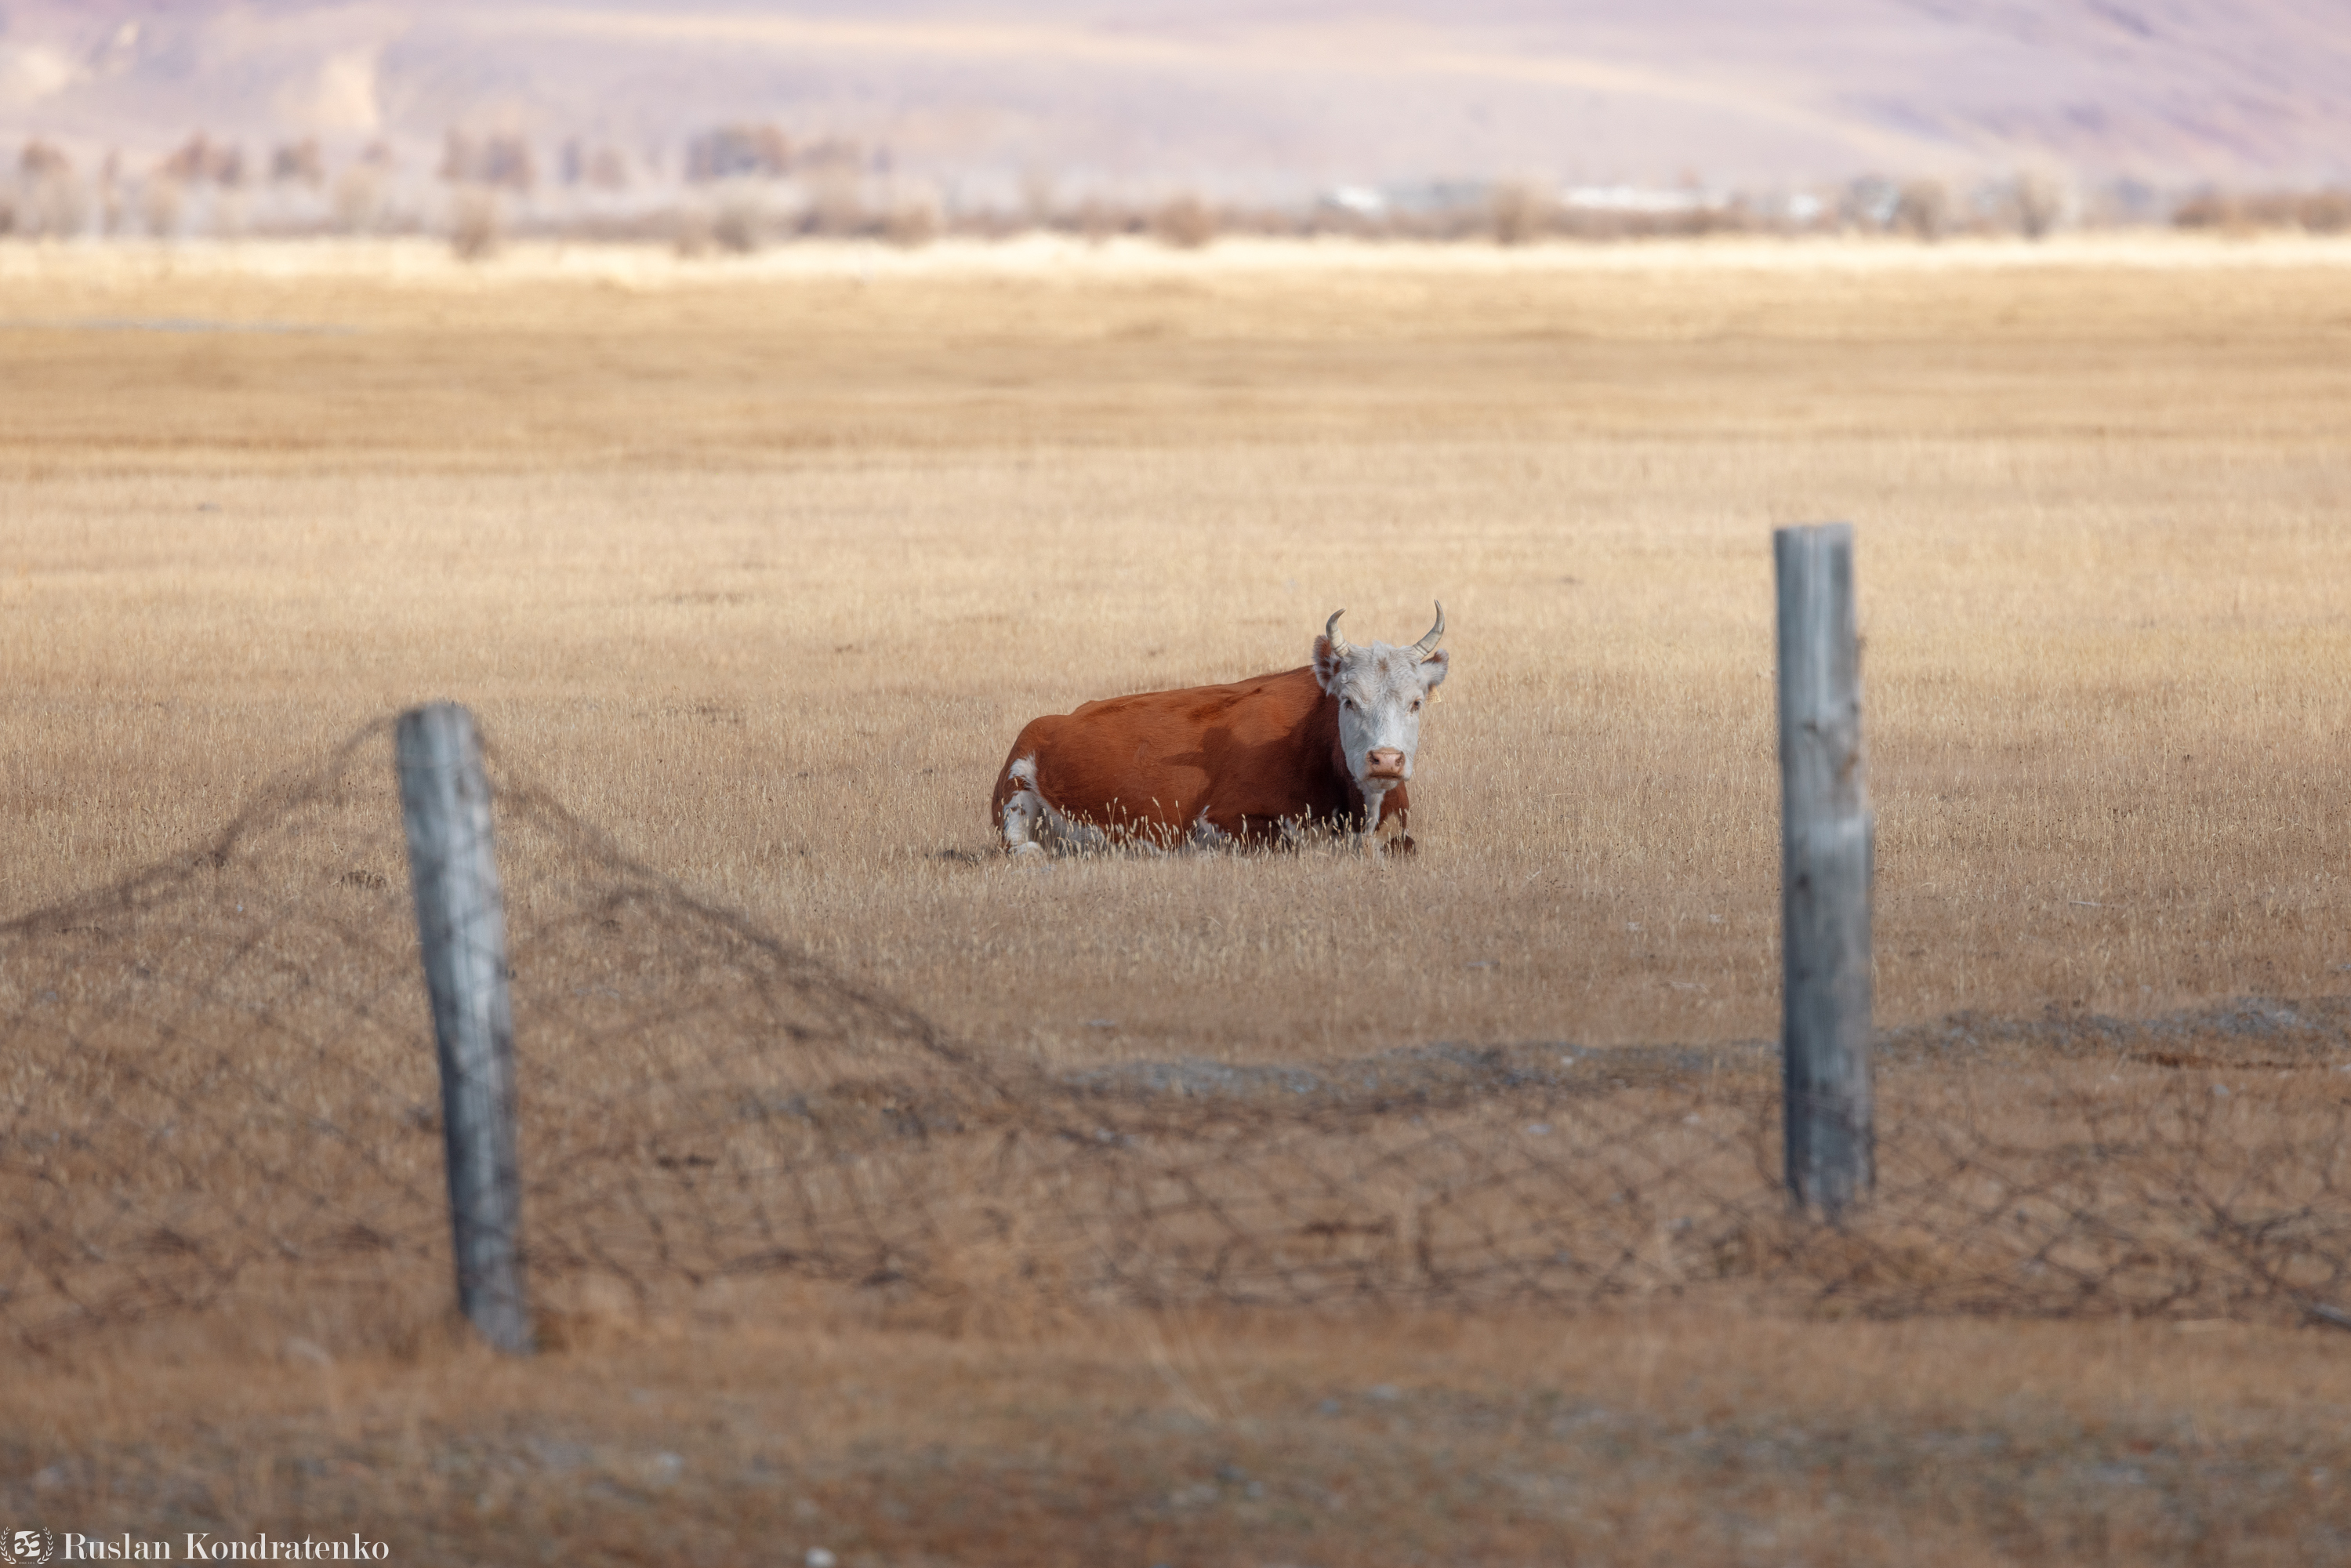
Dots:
pixel 1243 755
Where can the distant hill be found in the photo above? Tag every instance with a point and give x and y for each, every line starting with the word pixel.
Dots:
pixel 1265 101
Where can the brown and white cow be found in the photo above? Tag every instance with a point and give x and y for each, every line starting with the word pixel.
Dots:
pixel 1258 761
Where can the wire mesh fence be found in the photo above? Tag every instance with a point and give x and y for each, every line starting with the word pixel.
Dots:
pixel 217 1098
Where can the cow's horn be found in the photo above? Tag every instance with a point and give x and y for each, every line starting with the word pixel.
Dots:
pixel 1427 645
pixel 1330 632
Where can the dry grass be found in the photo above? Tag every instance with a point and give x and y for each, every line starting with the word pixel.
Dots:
pixel 762 571
pixel 1649 1439
pixel 766 578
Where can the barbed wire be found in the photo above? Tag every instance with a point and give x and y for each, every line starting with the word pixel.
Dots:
pixel 217 1096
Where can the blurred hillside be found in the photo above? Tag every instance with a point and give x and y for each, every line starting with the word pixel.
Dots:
pixel 988 104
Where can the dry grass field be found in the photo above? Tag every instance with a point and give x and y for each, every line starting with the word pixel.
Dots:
pixel 760 567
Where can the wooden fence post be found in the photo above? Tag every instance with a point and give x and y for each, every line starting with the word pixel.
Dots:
pixel 444 800
pixel 1828 853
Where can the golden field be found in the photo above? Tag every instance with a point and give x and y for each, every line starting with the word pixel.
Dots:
pixel 760 566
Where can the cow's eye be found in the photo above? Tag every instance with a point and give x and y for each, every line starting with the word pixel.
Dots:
pixel 1415 705
pixel 1347 703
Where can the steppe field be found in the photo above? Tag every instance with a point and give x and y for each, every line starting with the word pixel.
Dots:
pixel 758 565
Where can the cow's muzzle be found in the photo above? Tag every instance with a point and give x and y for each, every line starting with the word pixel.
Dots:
pixel 1388 762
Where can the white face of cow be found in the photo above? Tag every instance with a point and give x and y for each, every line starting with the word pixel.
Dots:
pixel 1381 692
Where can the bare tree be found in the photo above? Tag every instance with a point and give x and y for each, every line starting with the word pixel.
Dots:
pixel 473 224
pixel 1521 211
pixel 298 163
pixel 2039 204
pixel 1185 223
pixel 1924 209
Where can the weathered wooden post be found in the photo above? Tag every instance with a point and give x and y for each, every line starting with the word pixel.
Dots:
pixel 1827 855
pixel 445 799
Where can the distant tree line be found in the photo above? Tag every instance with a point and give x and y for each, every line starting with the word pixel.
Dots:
pixel 740 186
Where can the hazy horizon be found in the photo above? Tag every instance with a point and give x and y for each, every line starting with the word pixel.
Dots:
pixel 1262 102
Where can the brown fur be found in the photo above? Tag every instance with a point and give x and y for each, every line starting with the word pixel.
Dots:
pixel 1250 753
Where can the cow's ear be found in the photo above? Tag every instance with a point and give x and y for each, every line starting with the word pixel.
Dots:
pixel 1326 663
pixel 1433 668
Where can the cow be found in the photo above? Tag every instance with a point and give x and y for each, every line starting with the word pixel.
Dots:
pixel 1254 763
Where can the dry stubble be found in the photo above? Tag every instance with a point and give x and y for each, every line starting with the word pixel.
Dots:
pixel 762 575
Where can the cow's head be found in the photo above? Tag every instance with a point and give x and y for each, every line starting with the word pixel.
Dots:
pixel 1381 691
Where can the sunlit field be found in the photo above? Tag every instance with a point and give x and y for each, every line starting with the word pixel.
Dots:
pixel 759 566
